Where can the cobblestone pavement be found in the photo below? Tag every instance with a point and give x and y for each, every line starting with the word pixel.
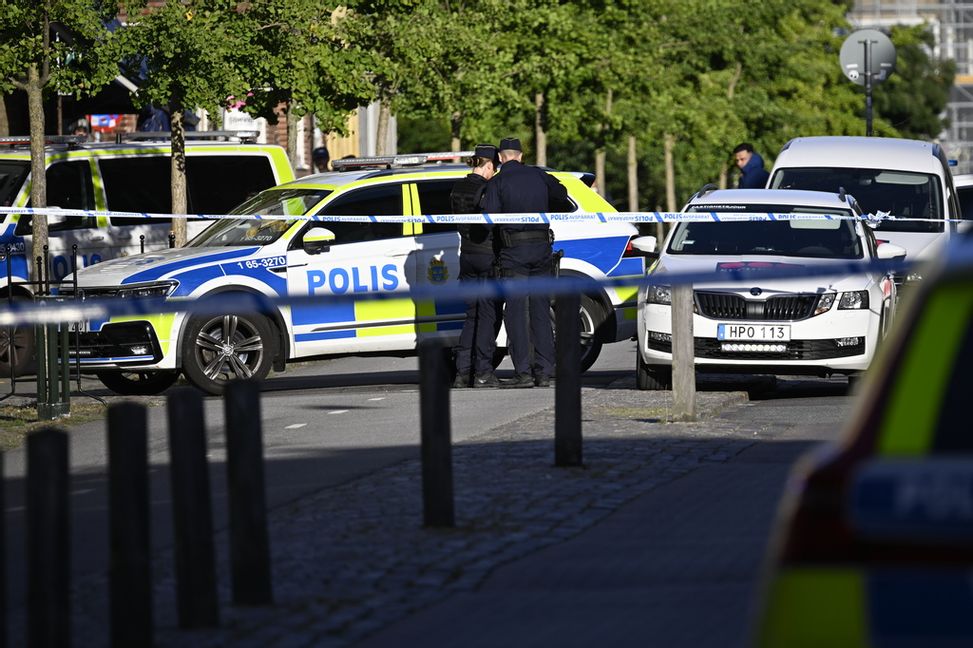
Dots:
pixel 350 560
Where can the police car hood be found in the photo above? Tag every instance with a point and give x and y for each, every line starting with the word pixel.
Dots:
pixel 156 266
pixel 745 272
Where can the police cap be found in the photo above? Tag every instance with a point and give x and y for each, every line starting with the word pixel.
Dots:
pixel 320 153
pixel 510 144
pixel 488 151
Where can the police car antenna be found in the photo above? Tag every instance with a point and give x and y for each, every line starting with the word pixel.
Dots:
pixel 393 161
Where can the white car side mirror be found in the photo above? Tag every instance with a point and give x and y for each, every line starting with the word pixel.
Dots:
pixel 888 251
pixel 645 244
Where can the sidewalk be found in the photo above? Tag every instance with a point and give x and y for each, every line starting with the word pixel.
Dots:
pixel 540 555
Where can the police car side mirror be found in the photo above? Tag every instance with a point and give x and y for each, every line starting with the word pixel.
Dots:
pixel 646 245
pixel 317 240
pixel 888 251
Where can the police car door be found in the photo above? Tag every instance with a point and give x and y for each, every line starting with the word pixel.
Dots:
pixel 437 260
pixel 363 258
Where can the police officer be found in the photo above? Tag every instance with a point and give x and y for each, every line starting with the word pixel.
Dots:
pixel 320 157
pixel 525 252
pixel 478 340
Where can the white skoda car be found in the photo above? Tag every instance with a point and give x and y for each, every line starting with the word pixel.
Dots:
pixel 820 325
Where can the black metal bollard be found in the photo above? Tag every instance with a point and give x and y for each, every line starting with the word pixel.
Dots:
pixel 141 243
pixel 434 415
pixel 48 533
pixel 567 394
pixel 249 540
pixel 192 513
pixel 172 239
pixel 128 512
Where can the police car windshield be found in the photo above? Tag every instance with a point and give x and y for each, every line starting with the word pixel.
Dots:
pixel 12 176
pixel 254 231
pixel 826 239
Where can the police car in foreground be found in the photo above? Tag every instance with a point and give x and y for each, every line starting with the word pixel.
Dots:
pixel 302 257
pixel 873 544
pixel 763 324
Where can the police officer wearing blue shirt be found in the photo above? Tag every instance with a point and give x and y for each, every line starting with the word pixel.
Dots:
pixel 525 252
pixel 478 340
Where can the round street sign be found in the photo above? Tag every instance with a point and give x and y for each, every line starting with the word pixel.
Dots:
pixel 881 56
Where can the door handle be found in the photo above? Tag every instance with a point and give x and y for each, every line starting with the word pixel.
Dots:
pixel 96 238
pixel 296 265
pixel 397 255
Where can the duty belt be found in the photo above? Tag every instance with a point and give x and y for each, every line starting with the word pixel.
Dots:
pixel 510 239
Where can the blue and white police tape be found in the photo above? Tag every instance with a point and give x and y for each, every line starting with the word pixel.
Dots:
pixel 71 309
pixel 534 218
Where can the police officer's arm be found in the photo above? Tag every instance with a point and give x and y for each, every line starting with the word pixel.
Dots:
pixel 557 193
pixel 491 202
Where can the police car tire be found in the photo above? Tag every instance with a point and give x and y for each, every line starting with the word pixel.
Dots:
pixel 193 355
pixel 651 378
pixel 138 383
pixel 16 347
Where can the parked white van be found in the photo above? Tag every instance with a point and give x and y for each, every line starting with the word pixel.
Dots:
pixel 907 179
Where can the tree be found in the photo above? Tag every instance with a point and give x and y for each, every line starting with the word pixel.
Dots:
pixel 188 54
pixel 914 98
pixel 302 57
pixel 48 45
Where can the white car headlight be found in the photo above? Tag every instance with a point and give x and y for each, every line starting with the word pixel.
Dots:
pixel 659 295
pixel 825 302
pixel 855 300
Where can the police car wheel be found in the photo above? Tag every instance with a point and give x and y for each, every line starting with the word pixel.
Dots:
pixel 220 348
pixel 138 383
pixel 651 377
pixel 16 350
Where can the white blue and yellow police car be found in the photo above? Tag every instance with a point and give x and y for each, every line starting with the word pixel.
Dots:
pixel 306 257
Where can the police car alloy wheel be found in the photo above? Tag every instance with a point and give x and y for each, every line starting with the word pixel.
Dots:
pixel 220 348
pixel 16 349
pixel 648 377
pixel 138 383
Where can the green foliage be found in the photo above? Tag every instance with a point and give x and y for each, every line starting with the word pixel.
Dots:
pixel 66 39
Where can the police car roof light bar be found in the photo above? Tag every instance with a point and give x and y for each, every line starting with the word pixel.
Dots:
pixel 21 140
pixel 405 159
pixel 245 136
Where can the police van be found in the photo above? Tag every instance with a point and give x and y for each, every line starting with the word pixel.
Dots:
pixel 224 168
pixel 275 257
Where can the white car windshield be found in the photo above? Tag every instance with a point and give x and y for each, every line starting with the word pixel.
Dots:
pixel 253 231
pixel 900 193
pixel 826 239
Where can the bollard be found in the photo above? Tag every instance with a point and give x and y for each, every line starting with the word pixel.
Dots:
pixel 130 576
pixel 172 239
pixel 434 416
pixel 683 355
pixel 249 541
pixel 567 384
pixel 48 566
pixel 192 514
pixel 141 243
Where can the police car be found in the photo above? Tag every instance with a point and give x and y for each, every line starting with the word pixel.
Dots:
pixel 874 538
pixel 305 257
pixel 223 168
pixel 765 324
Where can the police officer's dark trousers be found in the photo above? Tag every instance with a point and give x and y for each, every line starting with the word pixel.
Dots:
pixel 528 319
pixel 478 340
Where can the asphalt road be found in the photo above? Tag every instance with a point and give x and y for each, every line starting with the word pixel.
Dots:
pixel 328 422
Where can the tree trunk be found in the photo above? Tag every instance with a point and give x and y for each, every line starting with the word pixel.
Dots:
pixel 730 91
pixel 38 163
pixel 668 144
pixel 455 124
pixel 291 135
pixel 382 128
pixel 178 143
pixel 601 183
pixel 724 175
pixel 540 135
pixel 4 120
pixel 633 175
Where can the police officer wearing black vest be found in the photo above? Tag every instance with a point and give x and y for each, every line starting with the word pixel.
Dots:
pixel 478 340
pixel 525 252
